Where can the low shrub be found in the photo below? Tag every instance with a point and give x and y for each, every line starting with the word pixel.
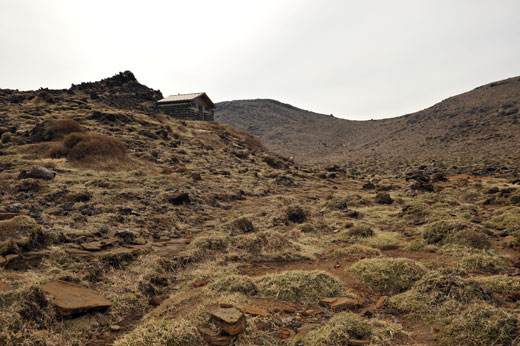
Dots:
pixel 387 275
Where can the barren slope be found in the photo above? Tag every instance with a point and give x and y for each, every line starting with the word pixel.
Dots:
pixel 480 127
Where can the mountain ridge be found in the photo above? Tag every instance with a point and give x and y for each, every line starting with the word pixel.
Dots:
pixel 487 115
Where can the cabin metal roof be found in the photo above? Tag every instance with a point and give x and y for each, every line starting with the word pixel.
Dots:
pixel 185 97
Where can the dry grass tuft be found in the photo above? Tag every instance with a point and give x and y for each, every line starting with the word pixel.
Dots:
pixel 482 324
pixel 456 232
pixel 388 275
pixel 89 147
pixel 52 130
pixel 235 283
pixel 338 331
pixel 300 286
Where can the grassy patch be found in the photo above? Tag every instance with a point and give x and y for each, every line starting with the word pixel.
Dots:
pixel 439 295
pixel 482 324
pixel 455 232
pixel 235 283
pixel 483 262
pixel 20 233
pixel 178 332
pixel 500 284
pixel 338 331
pixel 357 250
pixel 387 275
pixel 506 218
pixel 300 286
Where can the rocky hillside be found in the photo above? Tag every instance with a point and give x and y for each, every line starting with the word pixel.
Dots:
pixel 477 128
pixel 122 226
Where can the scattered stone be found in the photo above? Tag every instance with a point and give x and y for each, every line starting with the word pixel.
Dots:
pixel 178 198
pixel 115 328
pixel 437 177
pixel 383 198
pixel 156 301
pixel 38 172
pixel 254 311
pixel 369 186
pixel 225 305
pixel 24 261
pixel 71 298
pixel 200 283
pixel 213 338
pixel 231 320
pixel 422 186
pixel 380 301
pixel 126 235
pixel 514 296
pixel 284 334
pixel 87 211
pixel 7 216
pixel 340 303
pixel 127 210
pixel 306 328
pixel 14 208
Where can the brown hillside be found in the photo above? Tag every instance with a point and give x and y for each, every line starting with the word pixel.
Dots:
pixel 480 127
pixel 122 226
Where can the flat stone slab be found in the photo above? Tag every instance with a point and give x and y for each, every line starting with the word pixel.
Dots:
pixel 231 320
pixel 340 303
pixel 254 311
pixel 71 298
pixel 7 216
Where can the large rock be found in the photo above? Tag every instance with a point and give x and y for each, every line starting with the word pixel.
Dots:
pixel 71 298
pixel 230 320
pixel 38 172
pixel 384 198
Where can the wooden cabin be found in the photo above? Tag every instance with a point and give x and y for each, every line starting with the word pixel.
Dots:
pixel 197 106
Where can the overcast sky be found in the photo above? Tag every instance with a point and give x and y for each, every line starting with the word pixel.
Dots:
pixel 354 59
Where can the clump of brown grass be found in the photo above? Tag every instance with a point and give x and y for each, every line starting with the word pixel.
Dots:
pixel 85 147
pixel 55 129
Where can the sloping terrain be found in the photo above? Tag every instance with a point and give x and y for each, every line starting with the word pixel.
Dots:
pixel 120 225
pixel 477 128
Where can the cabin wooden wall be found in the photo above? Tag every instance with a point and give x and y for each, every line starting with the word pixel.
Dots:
pixel 186 111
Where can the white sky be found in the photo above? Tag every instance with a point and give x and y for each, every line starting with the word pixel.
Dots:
pixel 354 59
